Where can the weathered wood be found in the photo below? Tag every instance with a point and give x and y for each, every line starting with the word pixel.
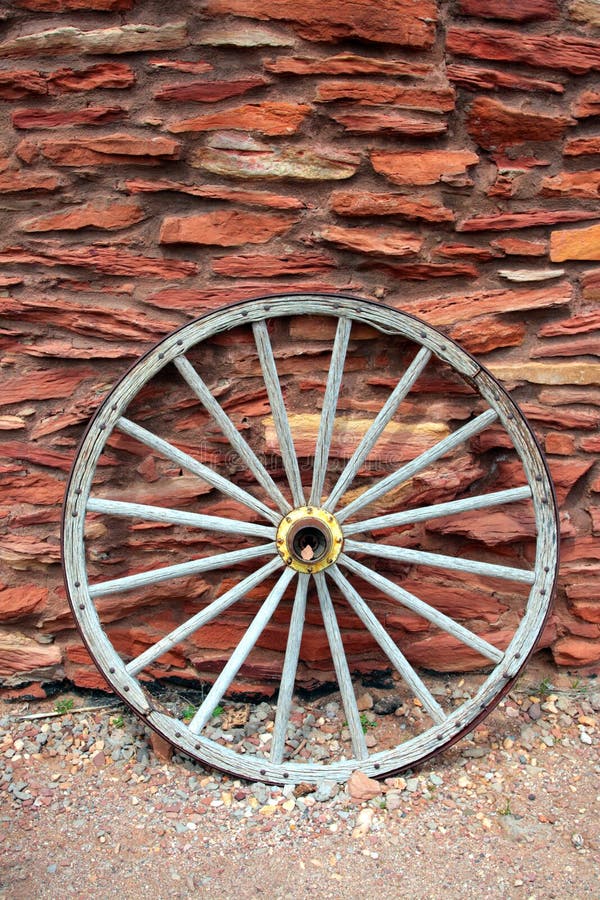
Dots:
pixel 438 560
pixel 332 390
pixel 425 513
pixel 422 609
pixel 396 657
pixel 240 654
pixel 290 665
pixel 374 432
pixel 178 517
pixel 196 468
pixel 460 436
pixel 201 618
pixel 179 570
pixel 241 447
pixel 282 425
pixel 340 665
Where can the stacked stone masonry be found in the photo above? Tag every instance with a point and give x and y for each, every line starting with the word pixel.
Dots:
pixel 158 161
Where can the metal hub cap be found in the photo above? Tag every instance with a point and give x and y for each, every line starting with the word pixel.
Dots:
pixel 309 539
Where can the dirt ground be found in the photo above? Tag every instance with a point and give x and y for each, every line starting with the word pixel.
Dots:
pixel 87 808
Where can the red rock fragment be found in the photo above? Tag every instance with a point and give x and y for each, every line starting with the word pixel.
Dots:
pixel 16 84
pixel 586 104
pixel 106 150
pixel 209 91
pixel 403 22
pixel 556 51
pixel 39 489
pixel 110 75
pixel 264 266
pixel 584 185
pixel 451 251
pixel 590 284
pixel 91 115
pixel 559 444
pixel 180 65
pixel 520 247
pixel 573 347
pixel 15 182
pixel 426 167
pixel 41 385
pixel 476 78
pixel 572 651
pixel 119 39
pixel 582 146
pixel 575 325
pixel 530 219
pixel 195 301
pixel 101 259
pixel 494 125
pixel 90 215
pixel 376 241
pixel 20 654
pixel 526 11
pixel 374 93
pixel 449 310
pixel 20 602
pixel 580 243
pixel 386 122
pixel 224 228
pixel 69 5
pixel 217 192
pixel 369 203
pixel 345 64
pixel 266 118
pixel 360 787
pixel 424 271
pixel 486 333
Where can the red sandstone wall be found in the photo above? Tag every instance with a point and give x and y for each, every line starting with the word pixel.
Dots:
pixel 441 156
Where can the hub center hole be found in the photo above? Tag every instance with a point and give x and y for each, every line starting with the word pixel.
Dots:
pixel 309 543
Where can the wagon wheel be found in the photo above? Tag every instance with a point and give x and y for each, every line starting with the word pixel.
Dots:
pixel 310 539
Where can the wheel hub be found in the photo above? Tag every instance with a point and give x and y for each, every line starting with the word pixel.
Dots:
pixel 309 539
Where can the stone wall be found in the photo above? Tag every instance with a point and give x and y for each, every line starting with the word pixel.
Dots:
pixel 157 161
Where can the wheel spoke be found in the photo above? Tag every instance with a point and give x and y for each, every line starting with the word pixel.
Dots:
pixel 342 671
pixel 192 567
pixel 389 647
pixel 236 440
pixel 373 434
pixel 290 666
pixel 424 513
pixel 205 615
pixel 419 463
pixel 240 654
pixel 332 390
pixel 280 418
pixel 178 517
pixel 422 609
pixel 438 560
pixel 197 468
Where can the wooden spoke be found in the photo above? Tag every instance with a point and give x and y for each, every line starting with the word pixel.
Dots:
pixel 389 647
pixel 201 618
pixel 290 666
pixel 374 432
pixel 180 570
pixel 196 468
pixel 178 517
pixel 240 654
pixel 424 513
pixel 280 418
pixel 421 558
pixel 332 390
pixel 342 671
pixel 236 440
pixel 423 609
pixel 419 463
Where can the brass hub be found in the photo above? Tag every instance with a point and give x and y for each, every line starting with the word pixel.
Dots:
pixel 309 539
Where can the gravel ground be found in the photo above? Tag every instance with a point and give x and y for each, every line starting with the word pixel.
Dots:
pixel 89 807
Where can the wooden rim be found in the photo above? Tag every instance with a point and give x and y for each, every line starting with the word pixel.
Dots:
pixel 446 727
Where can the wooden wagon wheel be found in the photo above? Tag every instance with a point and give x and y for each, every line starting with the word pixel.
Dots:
pixel 324 542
